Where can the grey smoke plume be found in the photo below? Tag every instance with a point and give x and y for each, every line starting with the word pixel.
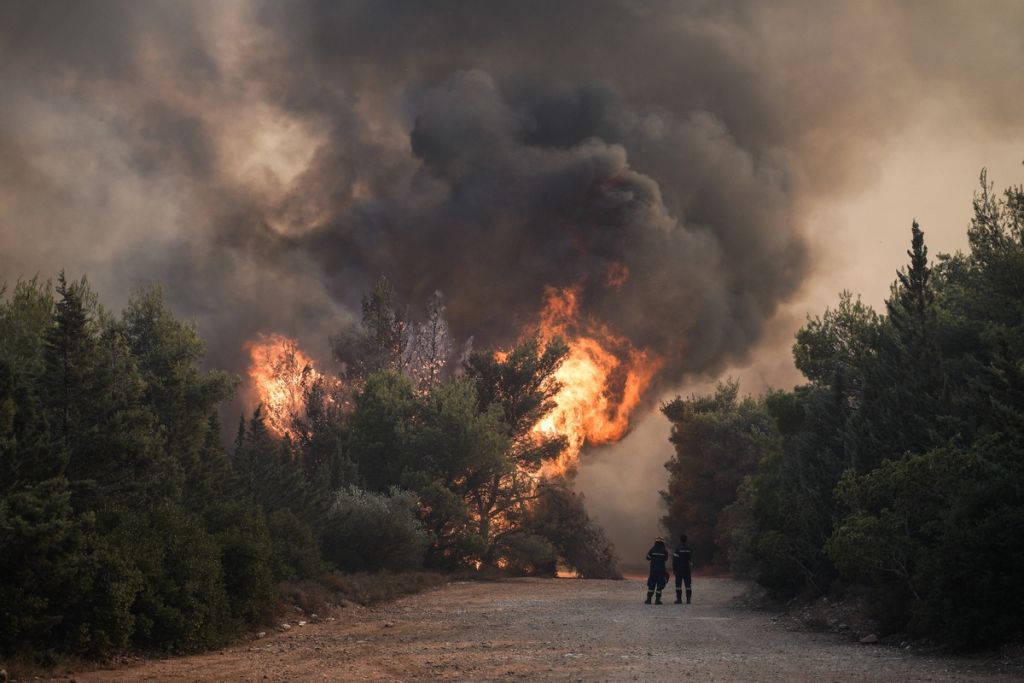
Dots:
pixel 266 161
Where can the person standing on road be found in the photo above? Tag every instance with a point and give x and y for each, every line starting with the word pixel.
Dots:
pixel 682 565
pixel 656 580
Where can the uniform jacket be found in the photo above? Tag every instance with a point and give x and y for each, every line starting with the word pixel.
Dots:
pixel 658 556
pixel 682 559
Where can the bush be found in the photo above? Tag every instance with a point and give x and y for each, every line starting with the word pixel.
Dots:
pixel 183 605
pixel 245 554
pixel 63 589
pixel 525 553
pixel 559 517
pixel 296 553
pixel 367 531
pixel 937 538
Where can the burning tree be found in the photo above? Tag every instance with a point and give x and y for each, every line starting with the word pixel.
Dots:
pixel 475 438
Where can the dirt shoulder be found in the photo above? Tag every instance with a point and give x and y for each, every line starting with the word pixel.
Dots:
pixel 556 629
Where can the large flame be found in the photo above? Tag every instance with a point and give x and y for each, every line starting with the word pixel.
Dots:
pixel 281 375
pixel 603 379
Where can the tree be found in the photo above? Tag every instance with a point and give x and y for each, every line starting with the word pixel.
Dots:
pixel 431 347
pixel 934 536
pixel 110 444
pixel 558 516
pixel 184 399
pixel 460 451
pixel 904 406
pixel 378 431
pixel 381 343
pixel 25 320
pixel 321 436
pixel 718 441
pixel 520 384
pixel 63 589
pixel 784 511
pixel 268 474
pixel 835 350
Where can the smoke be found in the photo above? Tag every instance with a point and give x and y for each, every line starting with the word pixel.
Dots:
pixel 265 161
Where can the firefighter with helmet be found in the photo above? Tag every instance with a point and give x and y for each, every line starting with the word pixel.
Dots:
pixel 656 580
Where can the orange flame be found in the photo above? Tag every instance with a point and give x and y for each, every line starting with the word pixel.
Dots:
pixel 281 375
pixel 603 379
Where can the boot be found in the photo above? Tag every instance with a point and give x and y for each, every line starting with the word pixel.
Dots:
pixel 657 598
pixel 648 600
pixel 679 596
pixel 688 594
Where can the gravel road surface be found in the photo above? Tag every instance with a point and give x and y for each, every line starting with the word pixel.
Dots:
pixel 559 630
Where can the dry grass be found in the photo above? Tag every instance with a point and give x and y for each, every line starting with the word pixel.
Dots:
pixel 323 595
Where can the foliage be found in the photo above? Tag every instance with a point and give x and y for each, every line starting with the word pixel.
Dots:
pixel 378 438
pixel 461 452
pixel 120 518
pixel 936 537
pixel 382 341
pixel 368 531
pixel 558 517
pixel 718 440
pixel 296 551
pixel 518 387
pixel 898 468
pixel 124 522
pixel 182 604
pixel 64 590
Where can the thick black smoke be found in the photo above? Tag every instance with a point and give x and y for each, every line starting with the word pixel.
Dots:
pixel 266 161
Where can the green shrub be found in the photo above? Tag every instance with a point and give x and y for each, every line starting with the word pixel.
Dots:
pixel 296 553
pixel 369 531
pixel 63 589
pixel 183 605
pixel 936 536
pixel 245 556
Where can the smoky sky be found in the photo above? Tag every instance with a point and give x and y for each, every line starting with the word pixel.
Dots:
pixel 265 162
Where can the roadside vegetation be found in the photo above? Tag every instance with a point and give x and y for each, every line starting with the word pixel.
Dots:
pixel 126 524
pixel 897 470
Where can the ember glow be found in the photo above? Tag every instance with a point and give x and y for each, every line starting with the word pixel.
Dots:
pixel 603 379
pixel 281 374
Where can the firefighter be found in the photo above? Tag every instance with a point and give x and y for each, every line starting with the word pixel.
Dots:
pixel 657 556
pixel 682 564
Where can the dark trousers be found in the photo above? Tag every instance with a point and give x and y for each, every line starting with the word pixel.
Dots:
pixel 682 577
pixel 657 580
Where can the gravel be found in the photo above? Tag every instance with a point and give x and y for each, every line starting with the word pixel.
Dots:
pixel 558 629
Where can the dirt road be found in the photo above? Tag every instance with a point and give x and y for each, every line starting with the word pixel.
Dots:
pixel 564 630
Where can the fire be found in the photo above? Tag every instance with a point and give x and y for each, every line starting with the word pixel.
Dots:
pixel 281 374
pixel 603 379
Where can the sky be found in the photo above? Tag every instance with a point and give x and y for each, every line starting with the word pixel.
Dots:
pixel 743 161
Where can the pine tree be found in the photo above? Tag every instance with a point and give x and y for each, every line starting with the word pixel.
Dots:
pixel 905 405
pixel 381 342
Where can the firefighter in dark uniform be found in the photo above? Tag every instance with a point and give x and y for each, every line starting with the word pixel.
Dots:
pixel 682 564
pixel 656 580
